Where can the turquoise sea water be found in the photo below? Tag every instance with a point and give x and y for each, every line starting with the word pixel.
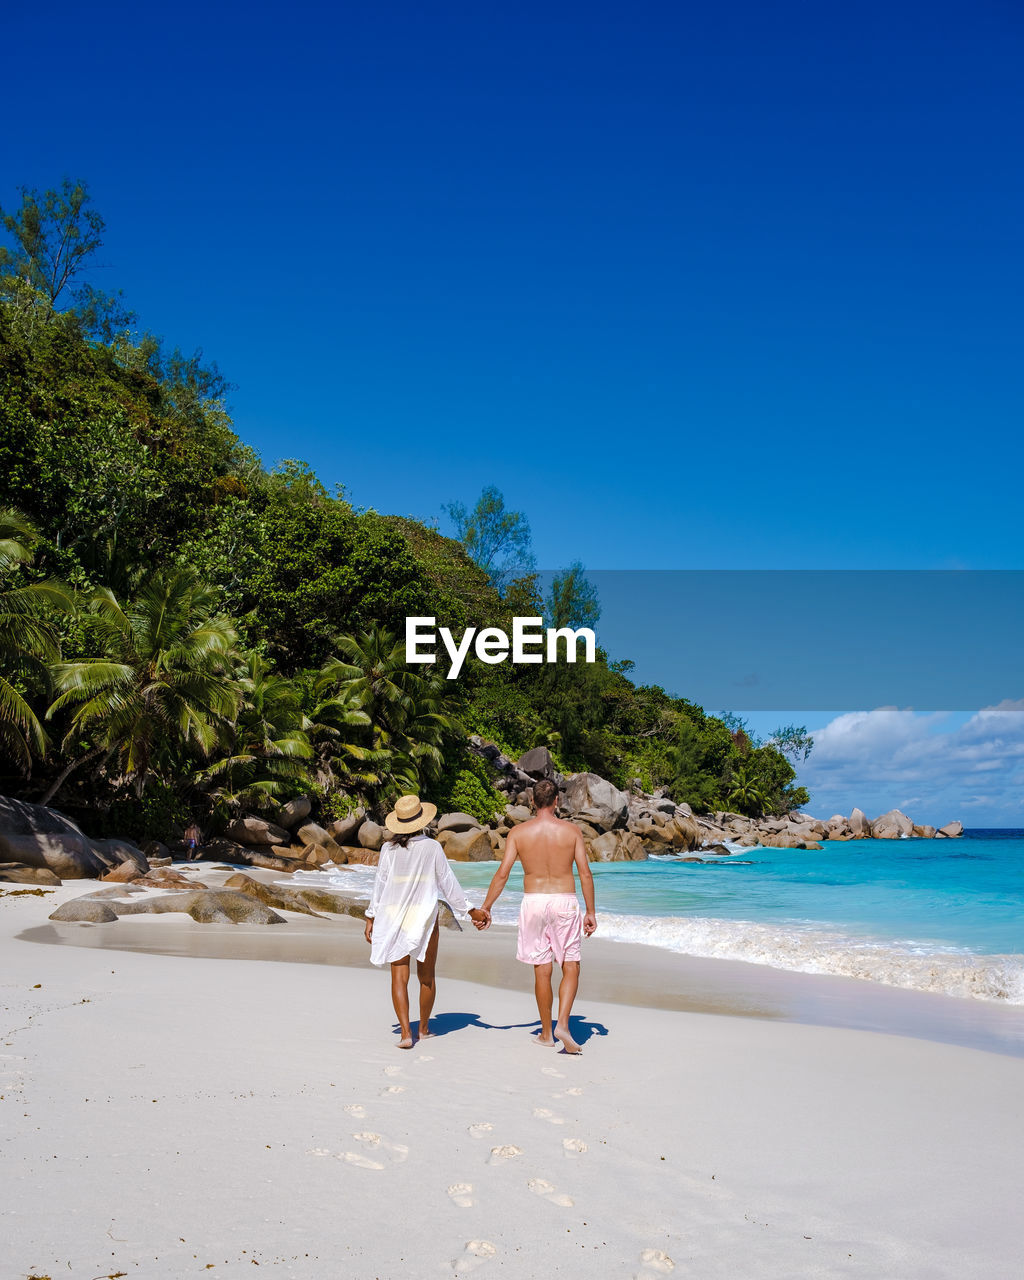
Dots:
pixel 942 915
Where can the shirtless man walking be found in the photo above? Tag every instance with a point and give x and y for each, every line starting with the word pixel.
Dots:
pixel 550 921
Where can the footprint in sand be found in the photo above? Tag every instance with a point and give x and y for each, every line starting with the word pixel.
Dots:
pixel 500 1154
pixel 392 1071
pixel 317 1151
pixel 655 1263
pixel 424 1057
pixel 360 1161
pixel 542 1113
pixel 479 1130
pixel 356 1109
pixel 548 1192
pixel 390 1090
pixel 553 1071
pixel 396 1152
pixel 574 1093
pixel 477 1252
pixel 461 1193
pixel 573 1147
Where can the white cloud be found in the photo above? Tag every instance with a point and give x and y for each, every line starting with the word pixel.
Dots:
pixel 930 765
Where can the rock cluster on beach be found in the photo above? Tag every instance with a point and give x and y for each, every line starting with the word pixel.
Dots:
pixel 41 846
pixel 239 900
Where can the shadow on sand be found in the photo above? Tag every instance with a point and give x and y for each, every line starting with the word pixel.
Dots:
pixel 445 1024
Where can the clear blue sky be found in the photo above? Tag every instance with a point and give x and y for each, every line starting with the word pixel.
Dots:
pixel 730 285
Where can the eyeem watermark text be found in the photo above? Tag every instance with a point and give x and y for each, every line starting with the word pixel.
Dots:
pixel 531 641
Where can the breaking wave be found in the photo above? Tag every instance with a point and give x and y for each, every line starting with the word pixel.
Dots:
pixel 355 880
pixel 919 967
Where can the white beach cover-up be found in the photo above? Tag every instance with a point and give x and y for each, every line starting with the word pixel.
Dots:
pixel 406 889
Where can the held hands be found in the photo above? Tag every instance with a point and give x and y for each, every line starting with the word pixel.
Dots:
pixel 481 919
pixel 589 924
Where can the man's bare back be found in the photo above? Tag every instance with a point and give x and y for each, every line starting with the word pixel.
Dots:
pixel 546 846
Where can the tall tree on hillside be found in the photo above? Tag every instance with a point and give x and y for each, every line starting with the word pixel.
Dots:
pixel 496 539
pixel 160 682
pixel 572 599
pixel 792 740
pixel 696 762
pixel 54 236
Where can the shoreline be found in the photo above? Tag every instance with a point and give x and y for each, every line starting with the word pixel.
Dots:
pixel 620 973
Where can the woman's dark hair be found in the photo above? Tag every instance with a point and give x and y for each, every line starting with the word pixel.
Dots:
pixel 401 838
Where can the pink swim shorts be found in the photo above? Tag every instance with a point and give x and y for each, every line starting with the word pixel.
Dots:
pixel 550 928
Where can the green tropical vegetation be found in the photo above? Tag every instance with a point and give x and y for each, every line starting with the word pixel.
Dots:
pixel 28 642
pixel 186 633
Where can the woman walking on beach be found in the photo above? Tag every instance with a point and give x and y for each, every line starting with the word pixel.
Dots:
pixel 412 877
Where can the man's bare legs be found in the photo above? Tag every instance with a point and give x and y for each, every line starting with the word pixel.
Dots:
pixel 542 990
pixel 400 999
pixel 428 985
pixel 567 989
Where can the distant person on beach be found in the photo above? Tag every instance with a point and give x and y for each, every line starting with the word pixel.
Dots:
pixel 193 839
pixel 551 923
pixel 413 876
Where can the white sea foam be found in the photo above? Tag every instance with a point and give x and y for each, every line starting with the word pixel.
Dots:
pixel 731 845
pixel 809 950
pixel 356 879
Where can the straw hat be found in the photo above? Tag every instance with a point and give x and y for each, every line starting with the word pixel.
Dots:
pixel 409 814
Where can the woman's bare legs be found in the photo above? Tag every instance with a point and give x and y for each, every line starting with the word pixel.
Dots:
pixel 400 999
pixel 428 983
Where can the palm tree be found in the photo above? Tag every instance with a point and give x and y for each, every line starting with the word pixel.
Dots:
pixel 747 795
pixel 409 714
pixel 268 742
pixel 335 722
pixel 28 641
pixel 160 681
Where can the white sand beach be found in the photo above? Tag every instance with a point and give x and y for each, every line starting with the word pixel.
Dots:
pixel 180 1115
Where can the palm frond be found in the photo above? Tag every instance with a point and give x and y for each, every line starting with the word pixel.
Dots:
pixel 80 680
pixel 16 712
